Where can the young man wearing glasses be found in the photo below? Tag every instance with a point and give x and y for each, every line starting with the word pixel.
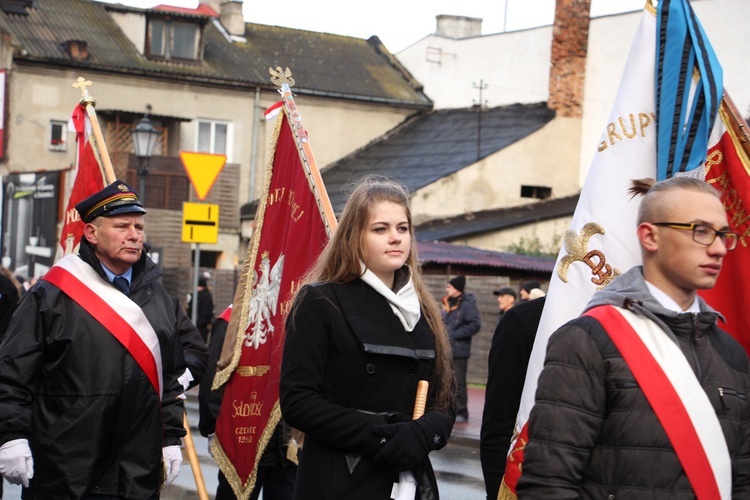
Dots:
pixel 644 395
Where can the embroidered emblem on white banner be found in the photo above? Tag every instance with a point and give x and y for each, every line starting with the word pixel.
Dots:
pixel 576 245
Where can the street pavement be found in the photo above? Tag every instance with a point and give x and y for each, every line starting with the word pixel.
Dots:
pixel 457 466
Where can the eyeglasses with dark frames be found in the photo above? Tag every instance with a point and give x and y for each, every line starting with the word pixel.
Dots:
pixel 705 235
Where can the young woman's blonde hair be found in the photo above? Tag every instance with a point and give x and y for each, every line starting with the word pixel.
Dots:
pixel 340 263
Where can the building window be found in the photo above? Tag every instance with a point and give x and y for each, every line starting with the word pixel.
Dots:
pixel 214 137
pixel 173 40
pixel 58 135
pixel 539 192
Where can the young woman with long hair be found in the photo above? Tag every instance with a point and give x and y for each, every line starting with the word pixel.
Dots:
pixel 362 333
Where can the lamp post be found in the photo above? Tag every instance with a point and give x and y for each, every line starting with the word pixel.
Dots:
pixel 144 140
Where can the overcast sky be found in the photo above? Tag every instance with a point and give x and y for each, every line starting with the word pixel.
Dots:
pixel 399 23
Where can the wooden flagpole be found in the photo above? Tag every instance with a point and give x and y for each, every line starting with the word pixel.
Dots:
pixel 283 78
pixel 195 466
pixel 737 123
pixel 89 102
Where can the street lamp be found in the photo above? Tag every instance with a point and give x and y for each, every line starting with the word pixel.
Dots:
pixel 144 140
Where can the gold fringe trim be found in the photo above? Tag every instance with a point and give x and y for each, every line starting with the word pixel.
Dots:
pixel 731 123
pixel 505 493
pixel 235 336
pixel 243 490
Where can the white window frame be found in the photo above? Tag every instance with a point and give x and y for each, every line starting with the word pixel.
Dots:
pixel 168 40
pixel 212 138
pixel 63 138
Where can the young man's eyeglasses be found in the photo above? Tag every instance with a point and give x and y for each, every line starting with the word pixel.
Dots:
pixel 705 235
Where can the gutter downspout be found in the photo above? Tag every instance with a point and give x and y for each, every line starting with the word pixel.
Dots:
pixel 254 146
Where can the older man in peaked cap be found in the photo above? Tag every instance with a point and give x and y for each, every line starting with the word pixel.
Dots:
pixel 90 365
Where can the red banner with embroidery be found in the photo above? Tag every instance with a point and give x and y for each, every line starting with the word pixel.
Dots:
pixel 288 237
pixel 88 180
pixel 728 169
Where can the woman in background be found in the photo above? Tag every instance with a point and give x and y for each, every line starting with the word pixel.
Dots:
pixel 360 336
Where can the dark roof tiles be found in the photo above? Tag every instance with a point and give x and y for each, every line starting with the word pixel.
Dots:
pixel 438 252
pixel 434 145
pixel 323 64
pixel 487 221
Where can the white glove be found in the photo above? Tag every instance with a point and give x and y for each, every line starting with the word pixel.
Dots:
pixel 172 456
pixel 185 379
pixel 16 462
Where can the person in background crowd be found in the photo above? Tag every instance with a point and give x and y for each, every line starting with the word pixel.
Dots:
pixel 506 298
pixel 361 334
pixel 276 473
pixel 463 322
pixel 9 296
pixel 507 363
pixel 89 367
pixel 644 396
pixel 526 288
pixel 536 293
pixel 205 313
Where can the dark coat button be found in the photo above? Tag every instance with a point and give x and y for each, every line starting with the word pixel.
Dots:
pixel 370 368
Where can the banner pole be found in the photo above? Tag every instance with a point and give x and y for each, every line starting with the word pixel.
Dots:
pixel 285 81
pixel 88 103
pixel 195 466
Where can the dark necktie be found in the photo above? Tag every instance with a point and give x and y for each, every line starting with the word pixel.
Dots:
pixel 122 285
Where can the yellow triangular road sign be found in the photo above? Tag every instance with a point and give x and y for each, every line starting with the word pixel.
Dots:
pixel 202 169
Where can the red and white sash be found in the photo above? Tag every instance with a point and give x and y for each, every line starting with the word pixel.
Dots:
pixel 115 311
pixel 676 396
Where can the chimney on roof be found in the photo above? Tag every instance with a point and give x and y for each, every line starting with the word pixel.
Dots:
pixel 231 18
pixel 570 39
pixel 458 27
pixel 78 50
pixel 230 15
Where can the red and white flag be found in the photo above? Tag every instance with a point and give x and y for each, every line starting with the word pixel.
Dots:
pixel 289 235
pixel 88 180
pixel 273 110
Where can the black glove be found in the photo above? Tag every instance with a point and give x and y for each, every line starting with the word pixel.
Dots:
pixel 404 445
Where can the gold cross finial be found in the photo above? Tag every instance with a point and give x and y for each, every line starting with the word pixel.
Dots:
pixel 82 83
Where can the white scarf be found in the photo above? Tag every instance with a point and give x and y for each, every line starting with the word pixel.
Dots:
pixel 405 303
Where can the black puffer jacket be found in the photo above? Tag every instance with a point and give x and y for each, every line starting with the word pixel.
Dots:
pixel 93 420
pixel 593 434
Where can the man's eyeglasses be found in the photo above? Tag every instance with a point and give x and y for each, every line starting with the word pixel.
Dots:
pixel 705 235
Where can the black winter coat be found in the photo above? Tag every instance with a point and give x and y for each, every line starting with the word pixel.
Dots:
pixel 463 322
pixel 506 374
pixel 592 432
pixel 94 423
pixel 348 366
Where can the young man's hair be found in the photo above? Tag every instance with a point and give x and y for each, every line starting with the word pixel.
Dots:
pixel 653 204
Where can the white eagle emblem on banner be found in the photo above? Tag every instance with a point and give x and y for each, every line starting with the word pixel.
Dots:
pixel 265 297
